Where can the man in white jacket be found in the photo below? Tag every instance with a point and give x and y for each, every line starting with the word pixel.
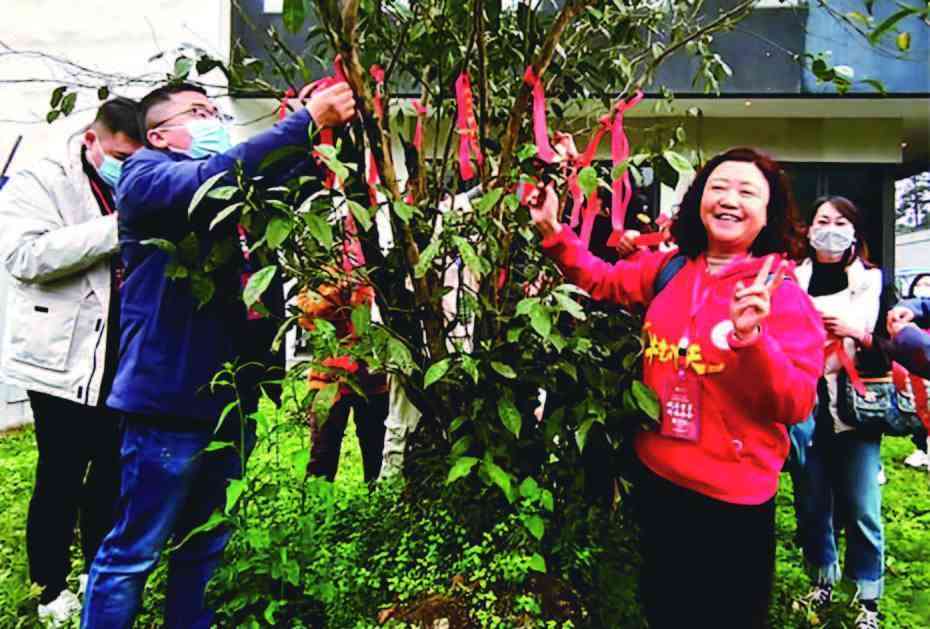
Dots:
pixel 59 243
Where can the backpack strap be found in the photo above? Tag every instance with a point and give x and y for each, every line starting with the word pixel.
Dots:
pixel 668 271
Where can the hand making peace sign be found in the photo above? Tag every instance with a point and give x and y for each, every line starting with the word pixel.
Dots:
pixel 752 304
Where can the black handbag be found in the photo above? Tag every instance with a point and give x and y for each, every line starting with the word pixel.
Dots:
pixel 886 408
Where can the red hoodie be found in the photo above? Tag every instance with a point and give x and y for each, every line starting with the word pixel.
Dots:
pixel 748 393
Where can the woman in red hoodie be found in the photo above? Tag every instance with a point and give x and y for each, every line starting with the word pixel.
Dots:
pixel 734 354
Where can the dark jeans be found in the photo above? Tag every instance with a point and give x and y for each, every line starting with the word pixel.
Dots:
pixel 170 486
pixel 326 440
pixel 77 475
pixel 706 563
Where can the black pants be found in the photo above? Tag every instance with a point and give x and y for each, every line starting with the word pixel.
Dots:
pixel 77 475
pixel 706 563
pixel 326 440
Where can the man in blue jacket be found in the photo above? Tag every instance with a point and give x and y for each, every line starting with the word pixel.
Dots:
pixel 172 346
pixel 910 345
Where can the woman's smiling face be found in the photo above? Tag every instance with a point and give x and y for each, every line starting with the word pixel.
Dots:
pixel 734 206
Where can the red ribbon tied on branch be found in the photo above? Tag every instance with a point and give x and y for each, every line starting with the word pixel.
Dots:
pixel 418 132
pixel 583 161
pixel 544 150
pixel 282 107
pixel 467 127
pixel 619 152
pixel 377 73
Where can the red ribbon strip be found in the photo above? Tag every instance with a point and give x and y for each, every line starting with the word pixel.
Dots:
pixel 651 239
pixel 377 73
pixel 836 348
pixel 619 152
pixel 591 210
pixel 282 108
pixel 583 161
pixel 467 127
pixel 544 150
pixel 418 132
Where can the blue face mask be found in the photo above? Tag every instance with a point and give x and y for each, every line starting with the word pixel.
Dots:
pixel 208 137
pixel 110 170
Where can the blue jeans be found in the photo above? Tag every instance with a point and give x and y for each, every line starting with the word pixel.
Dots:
pixel 169 487
pixel 836 485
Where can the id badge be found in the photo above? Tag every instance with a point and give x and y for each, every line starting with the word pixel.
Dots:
pixel 681 410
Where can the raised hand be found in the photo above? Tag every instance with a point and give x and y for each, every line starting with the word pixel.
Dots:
pixel 752 304
pixel 898 318
pixel 627 246
pixel 544 210
pixel 333 106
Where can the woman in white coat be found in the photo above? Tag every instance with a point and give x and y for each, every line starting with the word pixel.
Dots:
pixel 60 246
pixel 835 467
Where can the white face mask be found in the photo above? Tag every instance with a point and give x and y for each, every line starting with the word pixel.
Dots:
pixel 922 292
pixel 831 238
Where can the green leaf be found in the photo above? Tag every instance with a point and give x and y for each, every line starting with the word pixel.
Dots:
pixel 678 162
pixel 587 179
pixel 57 93
pixel 426 258
pixel 293 15
pixel 617 171
pixel 903 41
pixel 569 305
pixel 213 446
pixel 165 245
pixel 279 228
pixel 67 103
pixel 223 193
pixel 202 288
pixel 537 563
pixel 536 526
pixel 581 433
pixel 489 200
pixel 469 257
pixel 525 306
pixel 460 447
pixel 279 154
pixel 470 366
pixel 300 459
pixel 436 371
pixel 225 212
pixel 504 370
pixel 103 92
pixel 646 399
pixel 889 23
pixel 175 271
pixel 320 229
pixel 202 191
pixel 404 211
pixel 323 401
pixel 361 319
pixel 526 151
pixel 499 477
pixel 548 502
pixel 361 215
pixel 52 116
pixel 529 488
pixel 258 284
pixel 510 416
pixel 234 491
pixel 399 356
pixel 183 66
pixel 541 320
pixel 462 467
pixel 215 520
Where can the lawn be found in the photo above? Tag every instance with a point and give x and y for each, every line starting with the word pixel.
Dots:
pixel 906 512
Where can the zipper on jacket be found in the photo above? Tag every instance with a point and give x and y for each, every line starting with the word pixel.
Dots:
pixel 93 366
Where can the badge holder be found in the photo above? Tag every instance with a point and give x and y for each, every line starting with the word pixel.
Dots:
pixel 681 409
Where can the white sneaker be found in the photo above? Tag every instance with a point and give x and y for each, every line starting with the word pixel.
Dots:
pixel 82 584
pixel 61 610
pixel 868 618
pixel 917 458
pixel 882 479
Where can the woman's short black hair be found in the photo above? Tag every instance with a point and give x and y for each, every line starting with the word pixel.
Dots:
pixel 120 115
pixel 917 278
pixel 781 234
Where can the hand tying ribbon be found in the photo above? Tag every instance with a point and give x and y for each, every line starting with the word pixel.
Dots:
pixel 467 127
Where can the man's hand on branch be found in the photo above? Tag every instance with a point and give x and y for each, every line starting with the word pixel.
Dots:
pixel 333 106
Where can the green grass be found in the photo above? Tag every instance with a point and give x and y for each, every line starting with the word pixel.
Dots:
pixel 906 510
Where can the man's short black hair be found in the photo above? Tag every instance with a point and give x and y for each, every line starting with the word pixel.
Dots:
pixel 120 115
pixel 162 95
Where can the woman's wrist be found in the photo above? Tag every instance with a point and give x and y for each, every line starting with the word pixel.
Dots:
pixel 745 337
